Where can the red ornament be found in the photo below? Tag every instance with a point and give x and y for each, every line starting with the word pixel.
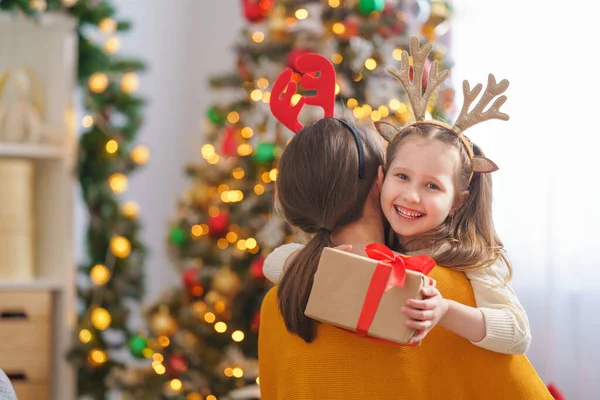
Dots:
pixel 256 10
pixel 176 365
pixel 230 143
pixel 218 225
pixel 255 325
pixel 256 268
pixel 190 277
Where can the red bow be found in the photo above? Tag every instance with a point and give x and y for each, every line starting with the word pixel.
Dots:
pixel 399 264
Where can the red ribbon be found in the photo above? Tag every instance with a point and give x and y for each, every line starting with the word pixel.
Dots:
pixel 381 281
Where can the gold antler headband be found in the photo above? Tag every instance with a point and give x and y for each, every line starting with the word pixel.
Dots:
pixel 466 118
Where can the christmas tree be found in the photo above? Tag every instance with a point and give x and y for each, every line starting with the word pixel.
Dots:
pixel 204 336
pixel 112 273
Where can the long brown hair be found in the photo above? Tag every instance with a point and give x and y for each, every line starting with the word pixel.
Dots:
pixel 319 191
pixel 467 239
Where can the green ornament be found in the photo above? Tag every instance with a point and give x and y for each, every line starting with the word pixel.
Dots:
pixel 178 236
pixel 368 6
pixel 137 344
pixel 214 116
pixel 265 152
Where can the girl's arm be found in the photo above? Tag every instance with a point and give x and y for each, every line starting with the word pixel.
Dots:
pixel 506 324
pixel 276 261
pixel 499 323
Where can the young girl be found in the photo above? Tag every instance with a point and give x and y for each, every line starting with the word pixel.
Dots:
pixel 437 198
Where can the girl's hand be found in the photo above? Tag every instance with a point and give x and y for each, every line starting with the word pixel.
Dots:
pixel 426 313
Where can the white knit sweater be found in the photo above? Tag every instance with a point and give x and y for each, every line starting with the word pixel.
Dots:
pixel 506 322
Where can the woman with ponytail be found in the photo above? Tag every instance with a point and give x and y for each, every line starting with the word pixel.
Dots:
pixel 329 187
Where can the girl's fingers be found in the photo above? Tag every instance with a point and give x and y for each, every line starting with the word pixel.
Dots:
pixel 417 314
pixel 421 304
pixel 420 325
pixel 417 337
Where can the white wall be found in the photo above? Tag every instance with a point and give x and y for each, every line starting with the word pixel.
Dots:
pixel 546 190
pixel 183 42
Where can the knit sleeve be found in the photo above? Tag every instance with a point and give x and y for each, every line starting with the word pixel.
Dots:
pixel 506 322
pixel 276 261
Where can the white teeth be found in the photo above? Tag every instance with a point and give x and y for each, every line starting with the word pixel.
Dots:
pixel 408 214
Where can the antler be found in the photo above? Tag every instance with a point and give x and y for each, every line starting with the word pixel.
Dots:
pixel 467 119
pixel 284 88
pixel 281 101
pixel 414 89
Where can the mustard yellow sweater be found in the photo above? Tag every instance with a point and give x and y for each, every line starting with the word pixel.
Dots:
pixel 338 365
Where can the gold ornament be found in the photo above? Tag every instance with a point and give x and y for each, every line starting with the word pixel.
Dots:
pixel 226 281
pixel 164 324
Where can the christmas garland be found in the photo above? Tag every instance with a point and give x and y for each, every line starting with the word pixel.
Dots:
pixel 113 271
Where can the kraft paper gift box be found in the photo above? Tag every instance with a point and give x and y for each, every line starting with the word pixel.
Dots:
pixel 365 295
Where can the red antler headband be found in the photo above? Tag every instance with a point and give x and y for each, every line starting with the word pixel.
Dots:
pixel 284 88
pixel 319 75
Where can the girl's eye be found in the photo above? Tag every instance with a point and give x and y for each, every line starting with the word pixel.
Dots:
pixel 432 186
pixel 403 177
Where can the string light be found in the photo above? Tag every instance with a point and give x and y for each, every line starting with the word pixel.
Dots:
pixel 231 237
pixel 120 246
pixel 358 113
pixel 376 115
pixel 397 54
pixel 266 97
pixel 233 117
pixel 238 173
pixel 301 13
pixel 266 177
pixel 100 275
pixel 258 36
pixel 98 82
pixel 196 230
pixel 228 372
pixel 262 83
pixel 337 88
pixel 98 356
pixel 158 357
pixel 160 369
pixel 394 104
pixel 214 159
pixel 87 121
pixel 241 244
pixel 208 150
pixel 130 82
pixel 131 209
pixel 211 397
pixel 100 318
pixel 118 182
pixel 237 336
pixel 337 58
pixel 273 174
pixel 256 94
pixel 334 3
pixel 247 132
pixel 140 154
pixel 384 111
pixel 112 45
pixel 370 64
pixel 175 384
pixel 238 372
pixel 210 317
pixel 352 102
pixel 112 146
pixel 107 25
pixel 251 243
pixel 259 189
pixel 220 327
pixel 367 109
pixel 85 336
pixel 164 341
pixel 338 28
pixel 244 149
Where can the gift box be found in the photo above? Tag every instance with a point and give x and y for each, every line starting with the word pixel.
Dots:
pixel 365 295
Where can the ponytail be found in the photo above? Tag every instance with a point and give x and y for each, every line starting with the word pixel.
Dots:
pixel 296 284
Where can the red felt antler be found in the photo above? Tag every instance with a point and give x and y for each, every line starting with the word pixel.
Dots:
pixel 284 88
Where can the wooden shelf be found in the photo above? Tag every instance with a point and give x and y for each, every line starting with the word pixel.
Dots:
pixel 31 151
pixel 37 284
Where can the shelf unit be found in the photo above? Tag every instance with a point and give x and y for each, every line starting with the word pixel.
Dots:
pixel 48 46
